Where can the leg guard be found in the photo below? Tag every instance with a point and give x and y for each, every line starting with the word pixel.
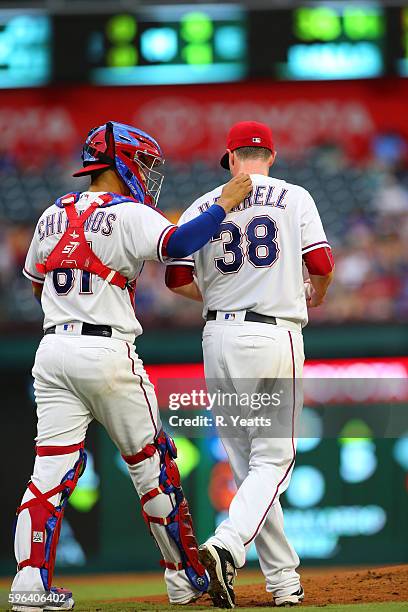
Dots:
pixel 46 519
pixel 177 524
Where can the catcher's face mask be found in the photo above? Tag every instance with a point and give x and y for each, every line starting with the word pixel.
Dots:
pixel 153 179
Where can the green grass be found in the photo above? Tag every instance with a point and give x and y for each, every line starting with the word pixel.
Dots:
pixel 124 607
pixel 106 591
pixel 86 593
pixel 132 607
pixel 86 589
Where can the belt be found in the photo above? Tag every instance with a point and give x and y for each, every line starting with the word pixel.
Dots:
pixel 88 330
pixel 254 317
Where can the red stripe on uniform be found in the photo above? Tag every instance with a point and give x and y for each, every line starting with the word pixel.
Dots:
pixel 142 387
pixel 293 393
pixel 162 241
pixel 293 448
pixel 36 278
pixel 166 241
pixel 309 246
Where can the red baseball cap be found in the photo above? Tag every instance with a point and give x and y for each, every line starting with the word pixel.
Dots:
pixel 247 134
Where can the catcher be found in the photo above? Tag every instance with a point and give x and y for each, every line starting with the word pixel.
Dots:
pixel 86 254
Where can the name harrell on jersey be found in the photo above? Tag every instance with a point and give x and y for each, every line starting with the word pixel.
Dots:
pixel 254 262
pixel 123 236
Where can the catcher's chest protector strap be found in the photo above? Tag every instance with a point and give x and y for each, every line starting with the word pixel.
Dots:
pixel 73 250
pixel 46 519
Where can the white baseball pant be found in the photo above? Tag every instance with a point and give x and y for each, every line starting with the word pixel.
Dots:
pixel 77 379
pixel 254 356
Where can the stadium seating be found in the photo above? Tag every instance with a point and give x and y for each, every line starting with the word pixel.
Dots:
pixel 349 198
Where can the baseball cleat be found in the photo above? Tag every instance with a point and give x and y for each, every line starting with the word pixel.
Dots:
pixel 67 603
pixel 221 569
pixel 290 600
pixel 192 600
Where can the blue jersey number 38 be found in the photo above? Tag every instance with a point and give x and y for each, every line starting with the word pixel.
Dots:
pixel 262 247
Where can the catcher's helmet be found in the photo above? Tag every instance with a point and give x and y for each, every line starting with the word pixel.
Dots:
pixel 131 152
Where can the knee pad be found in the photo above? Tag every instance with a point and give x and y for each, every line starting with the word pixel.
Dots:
pixel 46 519
pixel 178 523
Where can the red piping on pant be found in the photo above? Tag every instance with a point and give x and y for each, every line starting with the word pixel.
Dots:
pixel 293 447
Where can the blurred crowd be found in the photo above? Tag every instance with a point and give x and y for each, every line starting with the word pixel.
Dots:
pixel 364 207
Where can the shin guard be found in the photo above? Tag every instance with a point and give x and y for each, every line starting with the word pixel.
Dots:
pixel 177 524
pixel 46 519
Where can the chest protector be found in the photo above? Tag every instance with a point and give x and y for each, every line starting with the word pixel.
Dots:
pixel 73 250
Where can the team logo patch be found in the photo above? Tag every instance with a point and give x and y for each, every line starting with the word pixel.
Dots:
pixel 38 537
pixel 257 140
pixel 72 246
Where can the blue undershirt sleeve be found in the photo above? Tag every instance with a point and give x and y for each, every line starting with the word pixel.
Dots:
pixel 193 235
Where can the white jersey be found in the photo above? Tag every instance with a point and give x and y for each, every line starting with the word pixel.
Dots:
pixel 254 261
pixel 122 236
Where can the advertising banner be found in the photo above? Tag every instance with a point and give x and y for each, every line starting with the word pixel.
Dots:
pixel 192 121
